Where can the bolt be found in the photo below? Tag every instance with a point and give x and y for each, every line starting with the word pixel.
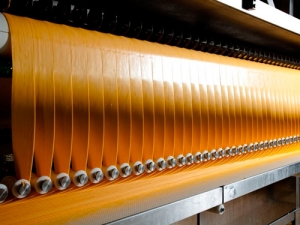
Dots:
pixel 98 176
pixel 24 189
pixel 151 166
pixel 82 179
pixel 231 192
pixel 64 182
pixel 113 173
pixel 3 194
pixel 126 170
pixel 46 185
pixel 172 162
pixel 139 168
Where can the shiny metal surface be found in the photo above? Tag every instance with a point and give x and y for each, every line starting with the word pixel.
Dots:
pixel 254 183
pixel 176 211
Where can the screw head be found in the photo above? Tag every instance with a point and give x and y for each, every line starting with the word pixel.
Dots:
pixel 199 157
pixel 46 185
pixel 162 164
pixel 24 189
pixel 245 148
pixel 233 151
pixel 228 152
pixel 113 173
pixel 206 156
pixel 231 192
pixel 190 159
pixel 3 194
pixel 274 143
pixel 283 141
pixel 240 150
pixel 139 168
pixel 82 179
pixel 126 170
pixel 151 166
pixel 65 182
pixel 279 142
pixel 256 146
pixel 172 162
pixel 98 176
pixel 182 160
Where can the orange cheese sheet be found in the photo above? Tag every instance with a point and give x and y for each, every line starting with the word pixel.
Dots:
pixel 83 99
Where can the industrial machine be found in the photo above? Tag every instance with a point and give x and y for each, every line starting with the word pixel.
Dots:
pixel 149 112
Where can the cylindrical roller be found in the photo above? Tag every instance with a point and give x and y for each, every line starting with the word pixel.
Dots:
pixel 125 170
pixel 3 192
pixel 95 175
pixel 79 178
pixel 161 164
pixel 42 184
pixel 111 172
pixel 149 166
pixel 61 181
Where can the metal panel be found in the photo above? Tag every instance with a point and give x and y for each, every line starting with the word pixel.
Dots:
pixel 176 211
pixel 284 220
pixel 251 184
